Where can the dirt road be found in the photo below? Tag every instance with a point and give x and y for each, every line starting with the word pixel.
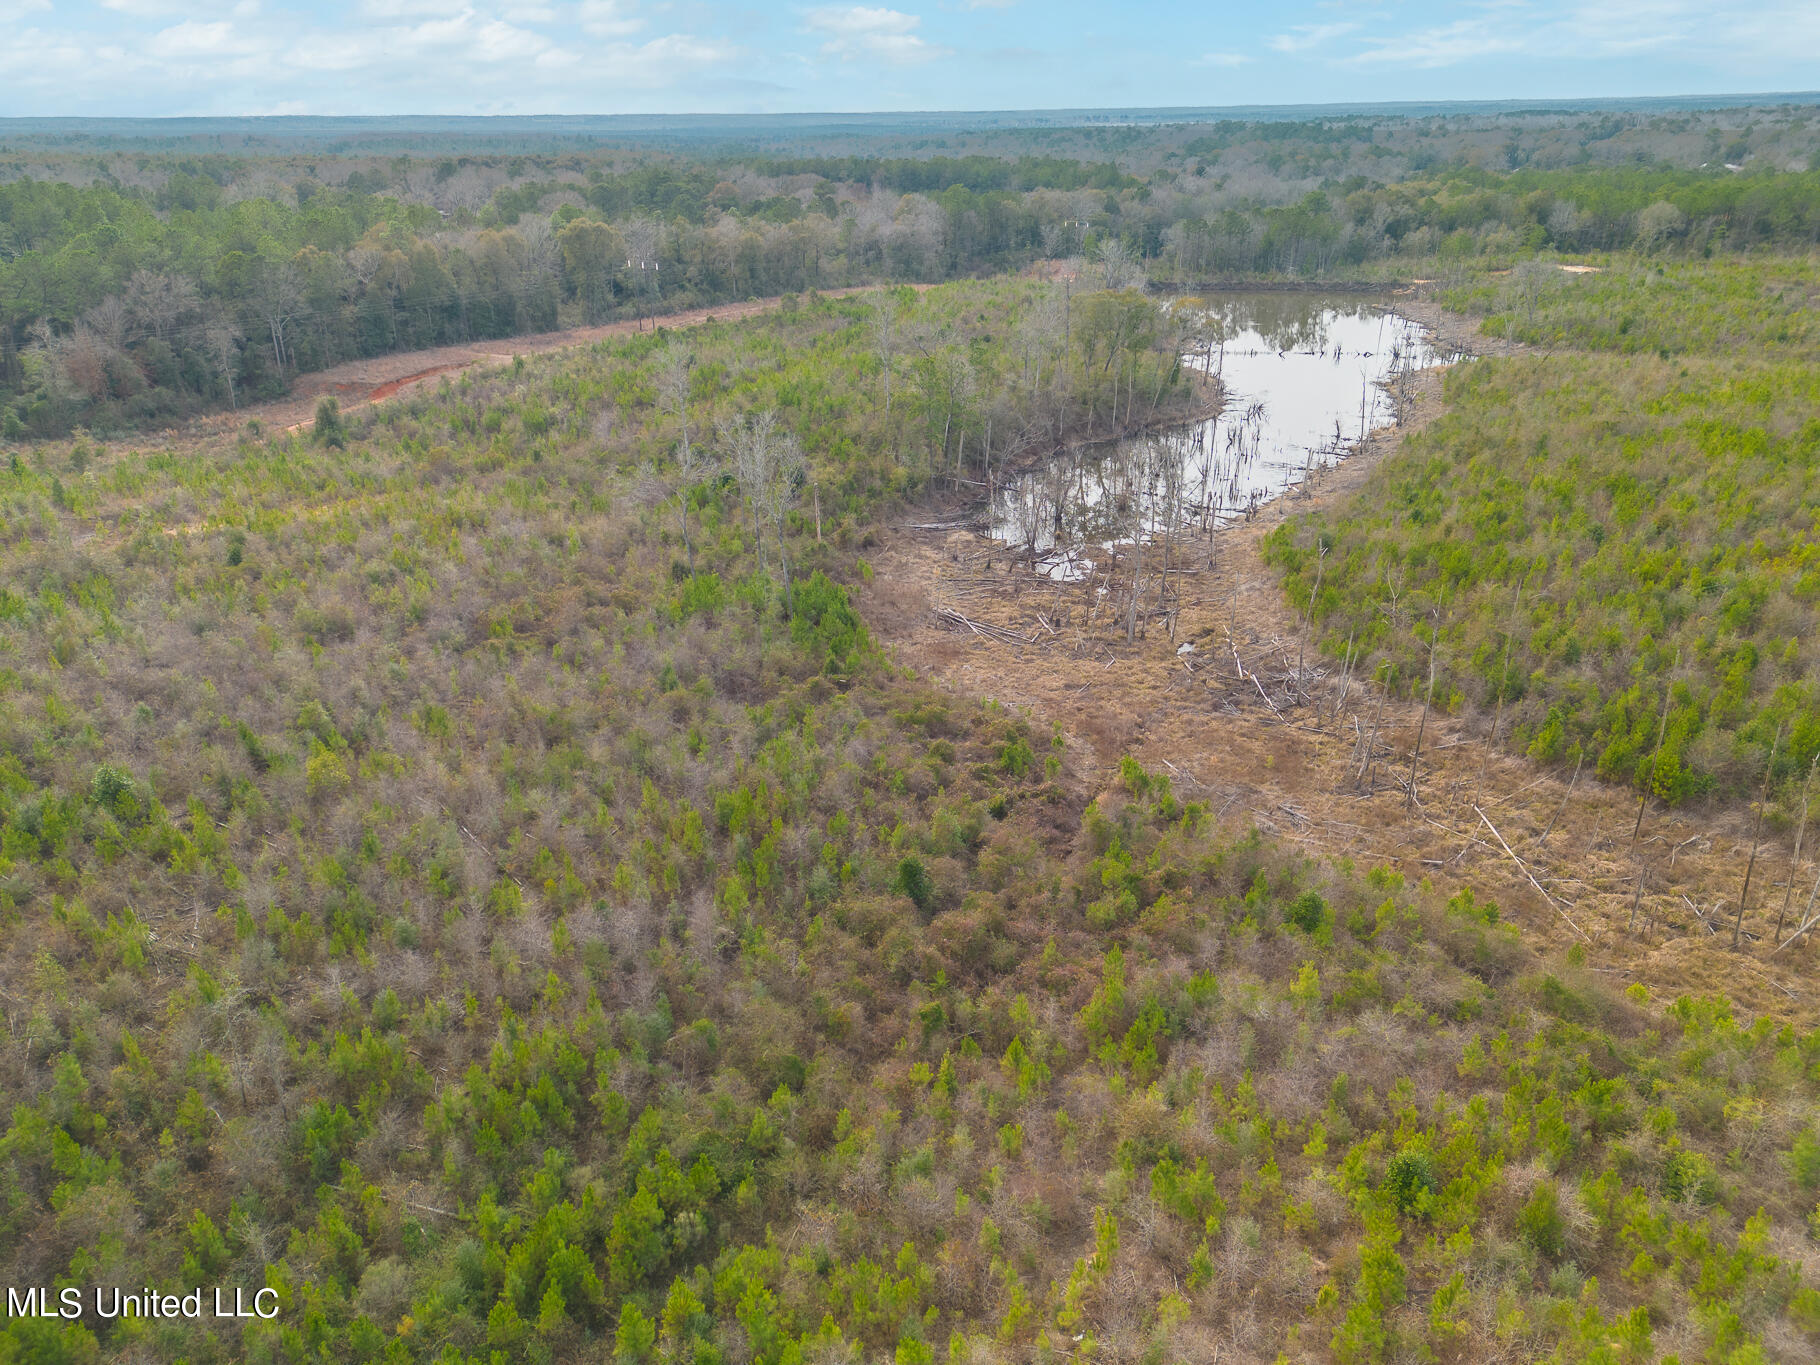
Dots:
pixel 1220 719
pixel 359 382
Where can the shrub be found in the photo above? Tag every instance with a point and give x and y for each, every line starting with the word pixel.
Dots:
pixel 1540 1223
pixel 1410 1180
pixel 1015 756
pixel 635 1335
pixel 913 881
pixel 824 622
pixel 1308 912
pixel 329 430
pixel 702 595
pixel 1804 1159
pixel 112 790
pixel 1690 1176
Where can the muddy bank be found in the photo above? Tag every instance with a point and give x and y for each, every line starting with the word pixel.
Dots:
pixel 1231 698
pixel 1454 330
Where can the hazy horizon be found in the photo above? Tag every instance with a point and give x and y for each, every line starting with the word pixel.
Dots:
pixel 248 58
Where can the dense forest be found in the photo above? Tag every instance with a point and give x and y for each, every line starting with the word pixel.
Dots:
pixel 136 287
pixel 535 922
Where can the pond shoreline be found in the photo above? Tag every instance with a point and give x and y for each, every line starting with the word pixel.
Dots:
pixel 1306 383
pixel 1209 402
pixel 1267 286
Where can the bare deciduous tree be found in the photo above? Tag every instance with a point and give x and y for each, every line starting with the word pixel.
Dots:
pixel 109 320
pixel 159 302
pixel 674 366
pixel 884 336
pixel 279 296
pixel 771 468
pixel 223 338
pixel 1120 268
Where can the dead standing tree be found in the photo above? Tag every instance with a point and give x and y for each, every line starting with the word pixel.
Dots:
pixel 1139 491
pixel 1415 757
pixel 675 364
pixel 1794 862
pixel 1756 839
pixel 1649 785
pixel 771 468
pixel 223 339
pixel 279 296
pixel 743 438
pixel 883 324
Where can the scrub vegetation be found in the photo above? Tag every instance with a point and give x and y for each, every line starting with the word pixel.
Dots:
pixel 452 877
pixel 468 866
pixel 1612 534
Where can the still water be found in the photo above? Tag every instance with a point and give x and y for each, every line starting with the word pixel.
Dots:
pixel 1305 375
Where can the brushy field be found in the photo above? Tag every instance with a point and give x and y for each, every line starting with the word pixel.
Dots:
pixel 450 878
pixel 1611 534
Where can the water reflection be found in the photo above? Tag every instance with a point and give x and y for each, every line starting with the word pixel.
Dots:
pixel 1305 377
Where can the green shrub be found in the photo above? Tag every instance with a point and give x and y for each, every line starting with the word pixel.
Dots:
pixel 1410 1181
pixel 1687 1175
pixel 1804 1159
pixel 1541 1224
pixel 1308 912
pixel 328 429
pixel 824 622
pixel 913 881
pixel 112 790
pixel 1015 756
pixel 702 595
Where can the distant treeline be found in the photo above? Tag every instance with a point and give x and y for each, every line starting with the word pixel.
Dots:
pixel 909 175
pixel 219 280
pixel 1467 213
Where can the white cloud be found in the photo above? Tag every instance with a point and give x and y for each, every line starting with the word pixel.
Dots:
pixel 192 40
pixel 609 19
pixel 1306 37
pixel 499 41
pixel 1788 32
pixel 1461 41
pixel 1627 26
pixel 333 52
pixel 141 9
pixel 661 62
pixel 382 56
pixel 35 59
pixel 855 32
pixel 1687 30
pixel 165 57
pixel 401 9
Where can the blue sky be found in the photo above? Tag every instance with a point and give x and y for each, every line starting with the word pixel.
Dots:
pixel 170 57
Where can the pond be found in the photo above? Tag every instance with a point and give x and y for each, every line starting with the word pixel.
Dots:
pixel 1305 376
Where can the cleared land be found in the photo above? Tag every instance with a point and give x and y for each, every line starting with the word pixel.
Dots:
pixel 359 382
pixel 1288 761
